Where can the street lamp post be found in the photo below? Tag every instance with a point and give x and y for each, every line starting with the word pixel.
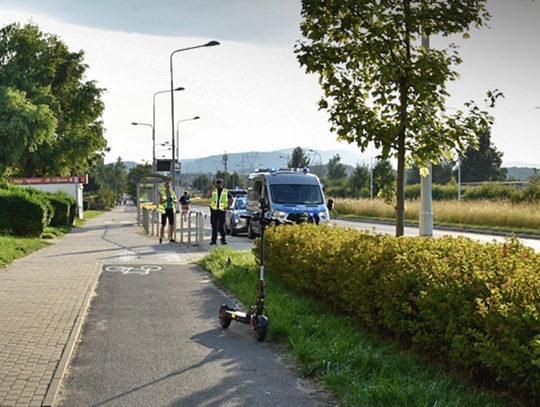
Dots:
pixel 173 164
pixel 178 134
pixel 153 141
pixel 154 121
pixel 425 221
pixel 153 125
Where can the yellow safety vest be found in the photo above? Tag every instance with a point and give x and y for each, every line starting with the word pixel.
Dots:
pixel 223 202
pixel 163 204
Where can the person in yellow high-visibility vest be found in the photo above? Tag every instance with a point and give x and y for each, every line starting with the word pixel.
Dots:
pixel 221 200
pixel 166 207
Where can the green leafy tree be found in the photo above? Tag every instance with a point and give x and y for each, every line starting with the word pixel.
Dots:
pixel 299 159
pixel 384 181
pixel 51 105
pixel 441 173
pixel 136 172
pixel 203 183
pixel 24 126
pixel 359 183
pixel 336 169
pixel 482 162
pixel 118 177
pixel 382 86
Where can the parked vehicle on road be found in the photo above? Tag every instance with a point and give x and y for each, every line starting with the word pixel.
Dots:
pixel 293 195
pixel 235 220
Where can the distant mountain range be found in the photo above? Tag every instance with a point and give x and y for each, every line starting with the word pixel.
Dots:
pixel 244 163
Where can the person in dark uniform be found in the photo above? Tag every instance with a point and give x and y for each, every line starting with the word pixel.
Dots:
pixel 221 200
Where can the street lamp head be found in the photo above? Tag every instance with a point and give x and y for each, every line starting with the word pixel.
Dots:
pixel 196 118
pixel 134 124
pixel 180 88
pixel 211 44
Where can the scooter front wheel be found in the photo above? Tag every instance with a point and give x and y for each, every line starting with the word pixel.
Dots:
pixel 261 328
pixel 224 318
pixel 260 333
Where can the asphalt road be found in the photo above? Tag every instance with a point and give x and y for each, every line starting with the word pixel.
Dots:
pixel 152 338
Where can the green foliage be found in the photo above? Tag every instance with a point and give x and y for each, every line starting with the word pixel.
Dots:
pixel 336 169
pixel 440 173
pixel 381 86
pixel 136 172
pixel 24 127
pixel 49 113
pixel 359 183
pixel 488 190
pixel 472 305
pixel 22 214
pixel 299 159
pixel 360 368
pixel 13 248
pixel 202 183
pixel 482 162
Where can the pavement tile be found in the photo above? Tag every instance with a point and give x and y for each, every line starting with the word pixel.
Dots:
pixel 44 297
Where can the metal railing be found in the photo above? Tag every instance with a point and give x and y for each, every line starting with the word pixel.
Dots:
pixel 188 226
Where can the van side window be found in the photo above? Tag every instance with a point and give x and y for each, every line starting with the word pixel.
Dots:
pixel 255 192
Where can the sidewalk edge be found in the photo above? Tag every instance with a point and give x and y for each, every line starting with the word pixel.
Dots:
pixel 69 349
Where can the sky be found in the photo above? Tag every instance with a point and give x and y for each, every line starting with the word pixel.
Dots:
pixel 250 92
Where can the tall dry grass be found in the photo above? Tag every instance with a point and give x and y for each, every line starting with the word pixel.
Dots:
pixel 497 214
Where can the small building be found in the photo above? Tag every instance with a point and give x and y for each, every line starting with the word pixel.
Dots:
pixel 72 185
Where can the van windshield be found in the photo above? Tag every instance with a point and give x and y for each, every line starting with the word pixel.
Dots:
pixel 296 194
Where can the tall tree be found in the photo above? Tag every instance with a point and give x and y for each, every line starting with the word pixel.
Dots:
pixel 382 86
pixel 482 163
pixel 384 180
pixel 359 183
pixel 336 169
pixel 299 159
pixel 24 127
pixel 51 78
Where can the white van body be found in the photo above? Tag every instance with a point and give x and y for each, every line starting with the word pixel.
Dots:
pixel 293 194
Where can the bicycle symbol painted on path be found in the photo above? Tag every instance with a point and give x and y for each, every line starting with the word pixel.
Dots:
pixel 143 270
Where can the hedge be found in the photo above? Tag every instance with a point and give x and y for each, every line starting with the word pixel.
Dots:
pixel 22 214
pixel 474 306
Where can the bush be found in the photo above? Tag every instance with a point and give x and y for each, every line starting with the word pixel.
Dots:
pixel 474 306
pixel 22 214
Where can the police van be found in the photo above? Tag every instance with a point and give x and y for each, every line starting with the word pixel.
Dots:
pixel 293 194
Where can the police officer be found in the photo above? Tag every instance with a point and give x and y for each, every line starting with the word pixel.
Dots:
pixel 221 200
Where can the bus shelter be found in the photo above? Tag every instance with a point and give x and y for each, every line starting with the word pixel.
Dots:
pixel 148 191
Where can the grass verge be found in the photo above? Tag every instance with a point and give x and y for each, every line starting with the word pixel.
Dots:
pixel 360 369
pixel 13 248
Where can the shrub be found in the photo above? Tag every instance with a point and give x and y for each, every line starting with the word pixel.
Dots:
pixel 22 214
pixel 474 306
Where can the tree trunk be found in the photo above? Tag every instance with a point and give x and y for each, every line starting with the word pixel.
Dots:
pixel 400 194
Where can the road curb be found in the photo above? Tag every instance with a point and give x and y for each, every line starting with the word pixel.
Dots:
pixel 71 345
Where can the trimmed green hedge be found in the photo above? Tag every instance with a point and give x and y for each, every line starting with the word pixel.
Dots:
pixel 474 306
pixel 27 211
pixel 22 214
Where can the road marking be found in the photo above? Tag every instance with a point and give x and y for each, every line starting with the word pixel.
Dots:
pixel 143 270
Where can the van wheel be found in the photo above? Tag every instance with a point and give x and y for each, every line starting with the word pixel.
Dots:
pixel 251 233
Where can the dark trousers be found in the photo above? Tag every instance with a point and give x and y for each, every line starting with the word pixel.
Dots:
pixel 217 220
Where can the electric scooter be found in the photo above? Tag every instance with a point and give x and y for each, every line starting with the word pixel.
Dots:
pixel 256 316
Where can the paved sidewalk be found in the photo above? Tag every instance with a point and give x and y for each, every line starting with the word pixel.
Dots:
pixel 44 298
